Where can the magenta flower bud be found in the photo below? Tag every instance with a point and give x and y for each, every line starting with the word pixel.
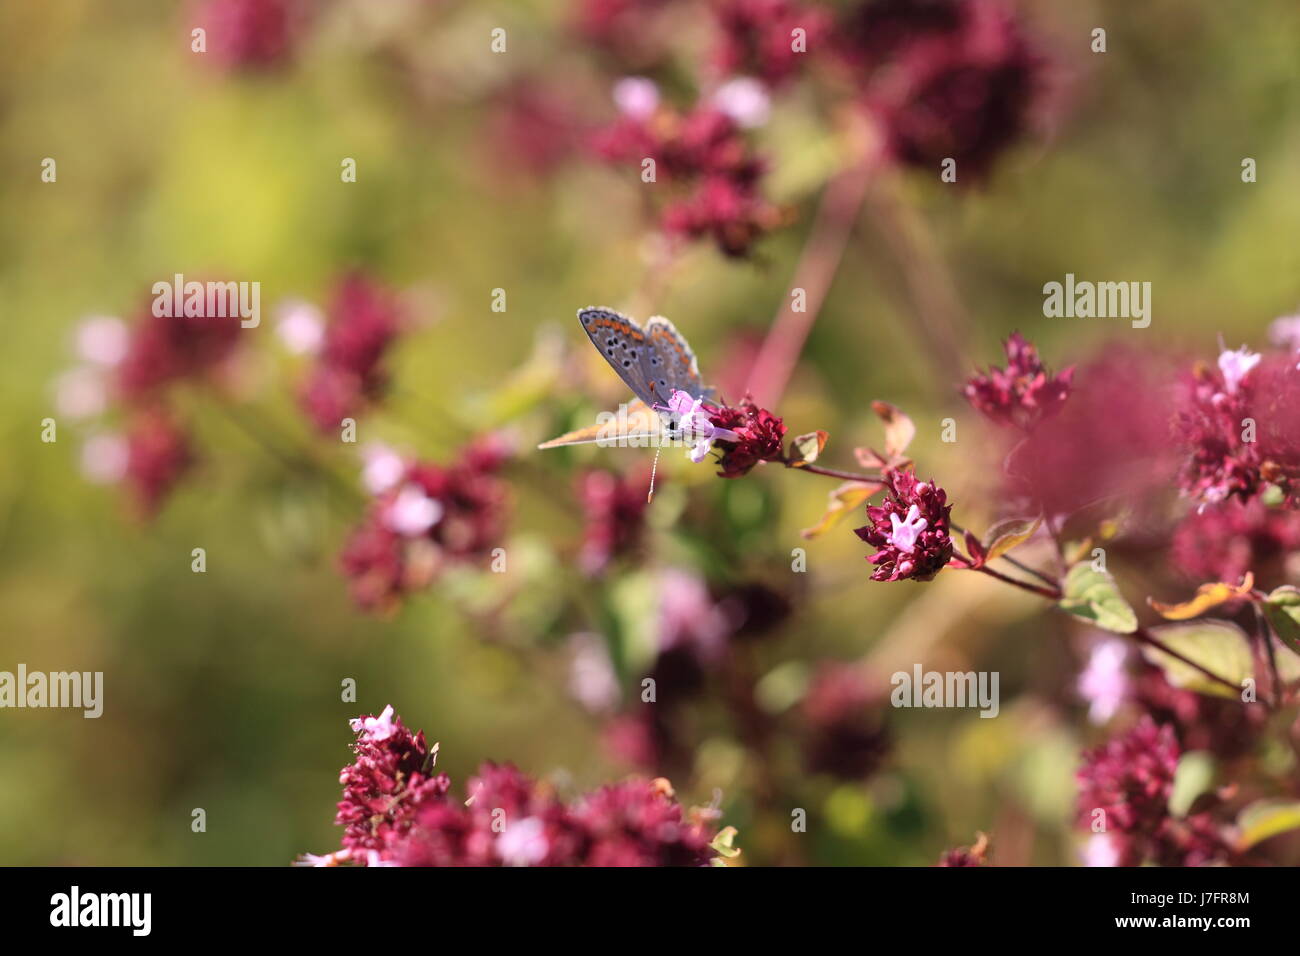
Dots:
pixel 910 529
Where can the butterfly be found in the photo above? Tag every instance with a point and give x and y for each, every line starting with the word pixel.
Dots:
pixel 654 361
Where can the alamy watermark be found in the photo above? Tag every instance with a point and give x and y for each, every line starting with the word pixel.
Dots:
pixel 209 300
pixel 82 690
pixel 1099 300
pixel 946 689
pixel 75 908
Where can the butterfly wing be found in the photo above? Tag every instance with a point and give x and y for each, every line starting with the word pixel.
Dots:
pixel 653 362
pixel 624 345
pixel 639 423
pixel 672 363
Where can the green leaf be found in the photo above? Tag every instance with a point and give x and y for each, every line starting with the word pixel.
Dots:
pixel 1092 596
pixel 1282 608
pixel 1218 646
pixel 807 448
pixel 1266 818
pixel 1005 535
pixel 1194 776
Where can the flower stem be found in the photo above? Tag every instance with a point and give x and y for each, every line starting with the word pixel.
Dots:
pixel 1052 594
pixel 1265 632
pixel 1041 575
pixel 1143 636
pixel 931 290
pixel 840 205
pixel 832 472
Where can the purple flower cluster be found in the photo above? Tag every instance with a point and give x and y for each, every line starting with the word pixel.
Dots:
pixel 944 78
pixel 759 436
pixel 397 812
pixel 756 37
pixel 909 529
pixel 704 157
pixel 158 454
pixel 614 508
pixel 975 855
pixel 1224 542
pixel 1130 779
pixel 137 370
pixel 251 34
pixel 364 321
pixel 1237 427
pixel 424 516
pixel 1022 394
pixel 845 735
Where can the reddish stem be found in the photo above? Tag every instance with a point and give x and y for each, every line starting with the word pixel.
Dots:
pixel 836 215
pixel 833 472
pixel 1052 594
pixel 1143 636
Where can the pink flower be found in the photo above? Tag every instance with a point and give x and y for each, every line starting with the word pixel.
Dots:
pixel 158 455
pixel 1110 440
pixel 167 349
pixel 1130 778
pixel 689 618
pixel 396 813
pixel 592 681
pixel 1100 850
pixel 104 458
pixel 1024 393
pixel 364 321
pixel 386 785
pixel 102 340
pixel 1222 542
pixel 759 437
pixel 431 516
pixel 1104 682
pixel 696 426
pixel 412 512
pixel 80 393
pixel 1235 366
pixel 916 545
pixel 300 326
pixel 523 843
pixel 251 34
pixel 382 468
pixel 375 728
pixel 757 37
pixel 1284 332
pixel 745 100
pixel 707 166
pixel 904 533
pixel 614 508
pixel 636 97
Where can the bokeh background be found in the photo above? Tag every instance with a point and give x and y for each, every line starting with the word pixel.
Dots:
pixel 223 688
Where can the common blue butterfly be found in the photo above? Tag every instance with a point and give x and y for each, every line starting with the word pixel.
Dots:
pixel 654 361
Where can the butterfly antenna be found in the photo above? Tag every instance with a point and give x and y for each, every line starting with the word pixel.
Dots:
pixel 653 468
